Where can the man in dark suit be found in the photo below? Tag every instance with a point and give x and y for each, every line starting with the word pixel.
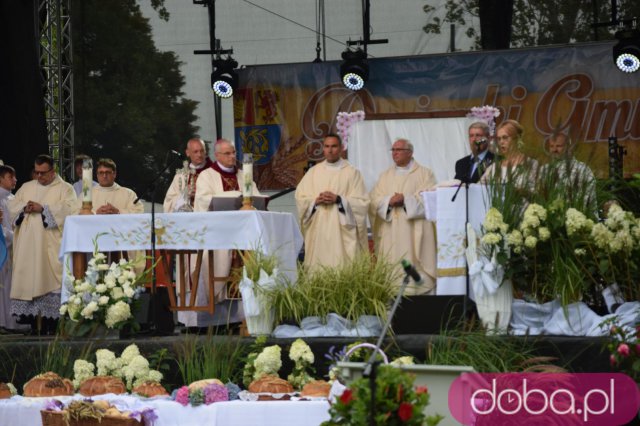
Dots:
pixel 471 167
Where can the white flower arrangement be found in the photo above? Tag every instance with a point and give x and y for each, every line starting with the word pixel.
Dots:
pixel 486 113
pixel 344 122
pixel 301 354
pixel 105 294
pixel 131 367
pixel 268 362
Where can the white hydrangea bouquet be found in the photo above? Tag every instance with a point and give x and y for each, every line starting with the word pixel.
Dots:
pixel 558 252
pixel 131 367
pixel 302 356
pixel 107 295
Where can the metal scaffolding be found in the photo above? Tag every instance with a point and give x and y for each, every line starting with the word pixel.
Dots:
pixel 54 24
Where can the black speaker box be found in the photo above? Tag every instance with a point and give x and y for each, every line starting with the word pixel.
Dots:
pixel 428 314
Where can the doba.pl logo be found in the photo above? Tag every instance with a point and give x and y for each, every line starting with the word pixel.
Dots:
pixel 550 398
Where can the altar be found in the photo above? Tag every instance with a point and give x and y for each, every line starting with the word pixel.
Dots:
pixel 450 216
pixel 270 232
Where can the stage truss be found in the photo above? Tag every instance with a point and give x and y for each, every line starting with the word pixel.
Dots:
pixel 54 24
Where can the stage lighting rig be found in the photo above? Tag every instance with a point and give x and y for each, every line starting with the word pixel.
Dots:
pixel 626 54
pixel 354 71
pixel 224 79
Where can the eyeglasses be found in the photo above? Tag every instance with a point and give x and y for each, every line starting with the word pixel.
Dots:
pixel 104 172
pixel 503 138
pixel 399 149
pixel 227 153
pixel 38 173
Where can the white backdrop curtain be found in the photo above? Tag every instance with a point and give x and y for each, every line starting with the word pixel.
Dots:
pixel 438 144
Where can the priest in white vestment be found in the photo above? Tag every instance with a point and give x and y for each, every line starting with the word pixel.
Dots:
pixel 224 178
pixel 38 212
pixel 109 197
pixel 332 207
pixel 184 184
pixel 400 230
pixel 7 184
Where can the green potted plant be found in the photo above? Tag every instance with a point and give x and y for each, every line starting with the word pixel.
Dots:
pixel 397 401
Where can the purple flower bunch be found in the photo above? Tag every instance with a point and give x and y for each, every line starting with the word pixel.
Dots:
pixel 486 113
pixel 207 395
pixel 344 121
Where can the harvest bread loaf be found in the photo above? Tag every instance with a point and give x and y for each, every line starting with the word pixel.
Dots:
pixel 150 389
pixel 5 392
pixel 270 384
pixel 316 388
pixel 101 385
pixel 48 384
pixel 201 384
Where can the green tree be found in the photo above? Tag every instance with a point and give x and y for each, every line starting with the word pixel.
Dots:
pixel 128 99
pixel 536 22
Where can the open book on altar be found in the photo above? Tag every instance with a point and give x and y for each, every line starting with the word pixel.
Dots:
pixel 232 200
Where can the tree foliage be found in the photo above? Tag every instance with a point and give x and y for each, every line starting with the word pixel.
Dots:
pixel 535 22
pixel 129 102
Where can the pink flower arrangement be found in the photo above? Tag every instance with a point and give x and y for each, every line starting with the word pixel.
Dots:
pixel 486 113
pixel 182 396
pixel 344 121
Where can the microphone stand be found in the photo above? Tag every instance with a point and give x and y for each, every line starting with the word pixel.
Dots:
pixel 465 182
pixel 370 368
pixel 155 303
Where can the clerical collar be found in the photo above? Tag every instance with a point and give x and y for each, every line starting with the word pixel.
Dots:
pixel 226 169
pixel 107 188
pixel 406 168
pixel 193 166
pixel 336 165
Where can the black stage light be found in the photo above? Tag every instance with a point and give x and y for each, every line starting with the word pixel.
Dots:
pixel 224 79
pixel 626 54
pixel 354 69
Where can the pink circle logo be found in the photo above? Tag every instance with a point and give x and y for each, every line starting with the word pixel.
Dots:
pixel 549 398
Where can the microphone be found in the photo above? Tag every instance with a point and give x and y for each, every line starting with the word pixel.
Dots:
pixel 481 141
pixel 177 154
pixel 411 271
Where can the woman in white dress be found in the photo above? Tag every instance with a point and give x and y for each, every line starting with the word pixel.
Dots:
pixel 512 165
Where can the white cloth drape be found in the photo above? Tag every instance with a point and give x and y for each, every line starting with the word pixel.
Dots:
pixel 438 143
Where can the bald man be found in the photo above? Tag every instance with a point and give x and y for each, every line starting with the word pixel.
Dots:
pixel 198 162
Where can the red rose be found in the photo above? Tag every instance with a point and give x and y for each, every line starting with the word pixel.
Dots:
pixel 623 349
pixel 346 397
pixel 421 389
pixel 405 411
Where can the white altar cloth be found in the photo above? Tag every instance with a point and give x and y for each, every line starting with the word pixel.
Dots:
pixel 26 411
pixel 450 217
pixel 271 232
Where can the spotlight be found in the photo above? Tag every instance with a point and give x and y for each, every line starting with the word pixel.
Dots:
pixel 354 71
pixel 626 54
pixel 224 79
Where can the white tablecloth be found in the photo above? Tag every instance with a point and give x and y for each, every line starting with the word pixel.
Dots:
pixel 270 232
pixel 26 411
pixel 450 219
